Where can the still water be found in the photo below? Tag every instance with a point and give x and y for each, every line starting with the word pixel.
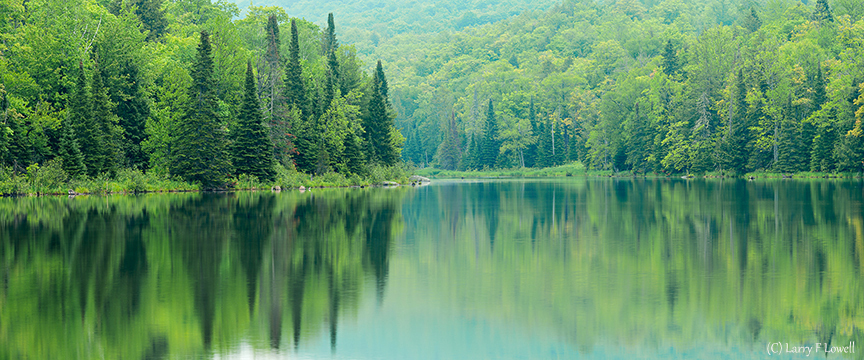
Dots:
pixel 522 269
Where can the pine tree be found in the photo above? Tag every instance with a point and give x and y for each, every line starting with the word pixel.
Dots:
pixel 822 12
pixel 670 59
pixel 295 91
pixel 251 148
pixel 544 145
pixel 732 153
pixel 81 120
pixel 133 111
pixel 70 154
pixel 489 144
pixel 4 128
pixel 353 154
pixel 106 151
pixel 531 150
pixel 378 123
pixel 152 17
pixel 332 80
pixel 304 125
pixel 330 43
pixel 788 158
pixel 751 20
pixel 200 153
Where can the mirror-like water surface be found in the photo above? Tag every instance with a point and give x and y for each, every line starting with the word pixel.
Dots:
pixel 565 268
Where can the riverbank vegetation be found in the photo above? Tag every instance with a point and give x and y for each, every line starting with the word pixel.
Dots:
pixel 130 96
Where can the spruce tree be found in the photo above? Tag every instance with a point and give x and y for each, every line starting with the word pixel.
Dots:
pixel 133 111
pixel 81 119
pixel 490 144
pixel 378 123
pixel 106 150
pixel 251 148
pixel 530 153
pixel 788 158
pixel 732 153
pixel 304 126
pixel 152 17
pixel 330 43
pixel 199 153
pixel 822 12
pixel 4 128
pixel 670 59
pixel 353 153
pixel 71 159
pixel 295 91
pixel 751 20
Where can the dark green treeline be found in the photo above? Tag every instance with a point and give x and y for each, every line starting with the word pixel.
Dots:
pixel 84 276
pixel 187 92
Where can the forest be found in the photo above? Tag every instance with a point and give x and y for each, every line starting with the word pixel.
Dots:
pixel 666 87
pixel 184 91
pixel 210 93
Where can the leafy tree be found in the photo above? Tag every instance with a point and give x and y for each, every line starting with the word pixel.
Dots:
pixel 251 148
pixel 200 153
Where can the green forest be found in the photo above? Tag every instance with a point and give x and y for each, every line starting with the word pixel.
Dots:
pixel 196 94
pixel 640 86
pixel 185 92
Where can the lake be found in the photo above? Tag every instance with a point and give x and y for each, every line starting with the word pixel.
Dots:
pixel 512 269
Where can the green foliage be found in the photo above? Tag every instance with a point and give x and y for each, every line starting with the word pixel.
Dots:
pixel 251 149
pixel 200 154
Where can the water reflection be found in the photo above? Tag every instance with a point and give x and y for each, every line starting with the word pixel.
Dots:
pixel 602 268
pixel 186 274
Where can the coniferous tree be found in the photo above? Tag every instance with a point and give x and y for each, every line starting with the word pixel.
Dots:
pixel 81 120
pixel 304 125
pixel 152 17
pixel 751 20
pixel 378 123
pixel 5 157
pixel 808 128
pixel 70 154
pixel 330 43
pixel 531 151
pixel 353 154
pixel 295 91
pixel 788 158
pixel 251 148
pixel 106 152
pixel 133 111
pixel 544 145
pixel 200 153
pixel 490 144
pixel 822 12
pixel 332 79
pixel 670 59
pixel 733 150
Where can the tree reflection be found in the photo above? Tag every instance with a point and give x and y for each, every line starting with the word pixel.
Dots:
pixel 186 274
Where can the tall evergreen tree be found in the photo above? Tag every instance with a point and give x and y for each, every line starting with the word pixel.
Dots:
pixel 822 12
pixel 490 143
pixel 103 118
pixel 5 157
pixel 751 20
pixel 295 91
pixel 330 43
pixel 251 148
pixel 670 59
pixel 544 145
pixel 788 157
pixel 70 155
pixel 332 79
pixel 152 17
pixel 133 111
pixel 200 153
pixel 353 154
pixel 531 151
pixel 733 150
pixel 378 123
pixel 85 128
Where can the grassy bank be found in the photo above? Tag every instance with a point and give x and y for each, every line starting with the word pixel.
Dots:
pixel 50 179
pixel 577 169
